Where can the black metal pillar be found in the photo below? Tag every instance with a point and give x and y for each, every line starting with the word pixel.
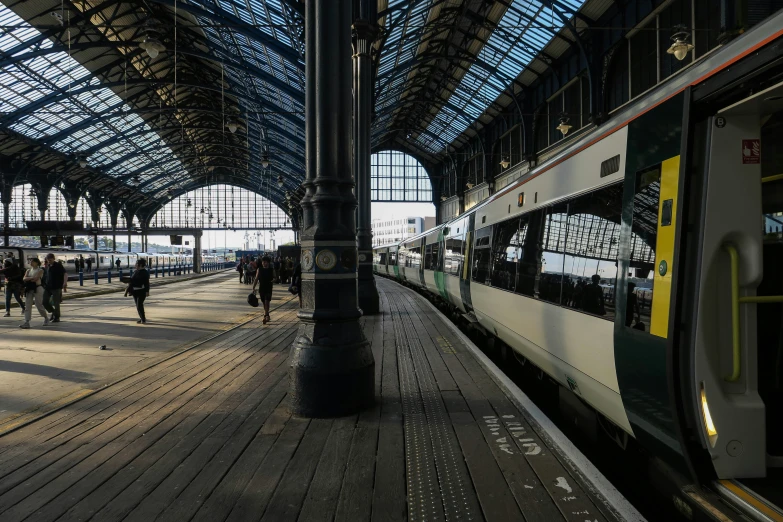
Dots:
pixel 332 369
pixel 6 217
pixel 364 31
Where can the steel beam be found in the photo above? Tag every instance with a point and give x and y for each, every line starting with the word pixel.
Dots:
pixel 332 368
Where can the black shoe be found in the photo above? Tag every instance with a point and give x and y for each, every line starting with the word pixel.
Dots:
pixel 139 321
pixel 55 320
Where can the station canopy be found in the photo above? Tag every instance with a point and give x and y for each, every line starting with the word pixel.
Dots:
pixel 145 100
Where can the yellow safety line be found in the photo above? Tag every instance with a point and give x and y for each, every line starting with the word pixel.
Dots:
pixel 753 501
pixel 769 179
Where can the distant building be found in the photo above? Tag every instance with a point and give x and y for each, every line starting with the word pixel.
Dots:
pixel 385 231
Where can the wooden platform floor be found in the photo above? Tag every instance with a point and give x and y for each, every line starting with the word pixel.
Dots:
pixel 207 436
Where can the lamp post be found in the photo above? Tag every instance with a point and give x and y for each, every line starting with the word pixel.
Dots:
pixel 332 368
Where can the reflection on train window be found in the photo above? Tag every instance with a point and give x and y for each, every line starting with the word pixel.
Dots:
pixel 529 252
pixel 550 281
pixel 392 258
pixel 428 258
pixel 645 233
pixel 590 268
pixel 453 255
pixel 505 246
pixel 437 260
pixel 382 258
pixel 481 256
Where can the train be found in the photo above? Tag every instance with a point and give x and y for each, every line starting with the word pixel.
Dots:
pixel 103 260
pixel 639 265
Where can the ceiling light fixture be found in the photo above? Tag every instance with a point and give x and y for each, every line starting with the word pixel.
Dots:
pixel 233 125
pixel 564 126
pixel 280 181
pixel 504 162
pixel 265 160
pixel 152 46
pixel 444 198
pixel 680 46
pixel 469 185
pixel 83 162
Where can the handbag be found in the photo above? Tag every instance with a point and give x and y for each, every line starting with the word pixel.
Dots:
pixel 29 286
pixel 252 300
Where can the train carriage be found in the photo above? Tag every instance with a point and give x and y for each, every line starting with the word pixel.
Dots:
pixel 639 266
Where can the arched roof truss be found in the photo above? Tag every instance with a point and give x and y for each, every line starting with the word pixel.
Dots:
pixel 82 103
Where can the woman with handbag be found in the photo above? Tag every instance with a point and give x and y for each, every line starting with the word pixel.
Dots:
pixel 33 292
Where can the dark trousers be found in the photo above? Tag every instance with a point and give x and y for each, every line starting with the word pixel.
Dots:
pixel 139 296
pixel 52 300
pixel 16 294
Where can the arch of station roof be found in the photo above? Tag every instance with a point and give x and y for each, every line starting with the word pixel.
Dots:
pixel 221 206
pixel 398 176
pixel 24 205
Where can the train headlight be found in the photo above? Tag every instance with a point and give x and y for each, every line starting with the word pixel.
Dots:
pixel 712 432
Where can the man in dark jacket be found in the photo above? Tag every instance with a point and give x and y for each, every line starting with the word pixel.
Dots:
pixel 265 276
pixel 56 284
pixel 140 288
pixel 13 284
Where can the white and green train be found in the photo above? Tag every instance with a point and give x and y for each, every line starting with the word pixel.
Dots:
pixel 640 266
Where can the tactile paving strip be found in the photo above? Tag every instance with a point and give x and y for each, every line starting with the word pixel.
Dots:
pixel 445 492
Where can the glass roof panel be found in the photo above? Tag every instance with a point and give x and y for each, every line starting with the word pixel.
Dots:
pixel 29 80
pixel 503 58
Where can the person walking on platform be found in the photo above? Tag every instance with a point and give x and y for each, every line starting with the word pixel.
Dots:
pixel 13 285
pixel 296 283
pixel 265 276
pixel 241 269
pixel 56 283
pixel 89 264
pixel 139 287
pixel 276 266
pixel 33 293
pixel 118 263
pixel 81 263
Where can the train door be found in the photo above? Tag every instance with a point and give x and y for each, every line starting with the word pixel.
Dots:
pixel 394 262
pixel 737 369
pixel 422 255
pixel 467 262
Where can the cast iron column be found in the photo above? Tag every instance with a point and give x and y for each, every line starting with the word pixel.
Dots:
pixel 332 368
pixel 364 31
pixel 6 199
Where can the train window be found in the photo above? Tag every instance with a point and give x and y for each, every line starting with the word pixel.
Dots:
pixel 481 256
pixel 505 254
pixel 392 258
pixel 428 258
pixel 643 242
pixel 413 257
pixel 382 258
pixel 554 244
pixel 437 259
pixel 529 252
pixel 590 268
pixel 453 255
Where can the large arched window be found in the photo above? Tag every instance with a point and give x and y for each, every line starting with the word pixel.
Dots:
pixel 396 176
pixel 57 208
pixel 24 206
pixel 221 206
pixel 104 221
